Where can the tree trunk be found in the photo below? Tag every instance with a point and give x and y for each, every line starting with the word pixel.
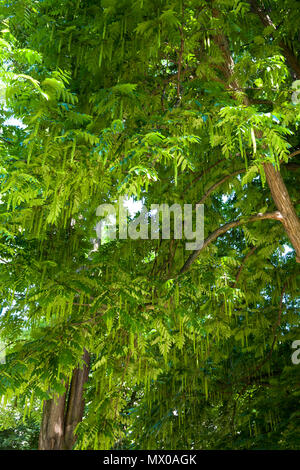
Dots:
pixel 61 415
pixel 75 406
pixel 52 427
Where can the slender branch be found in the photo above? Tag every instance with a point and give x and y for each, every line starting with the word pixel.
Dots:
pixel 223 229
pixel 293 154
pixel 12 342
pixel 207 170
pixel 180 61
pixel 292 166
pixel 6 141
pixel 260 101
pixel 243 264
pixel 202 173
pixel 218 183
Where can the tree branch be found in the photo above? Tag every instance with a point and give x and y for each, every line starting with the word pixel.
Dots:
pixel 180 61
pixel 243 264
pixel 293 154
pixel 6 141
pixel 223 229
pixel 218 183
pixel 290 57
pixel 202 173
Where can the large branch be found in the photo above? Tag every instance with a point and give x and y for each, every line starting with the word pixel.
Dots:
pixel 283 202
pixel 223 229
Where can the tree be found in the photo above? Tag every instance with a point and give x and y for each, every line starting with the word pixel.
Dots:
pixel 180 102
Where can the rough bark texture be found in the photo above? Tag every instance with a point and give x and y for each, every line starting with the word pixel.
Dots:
pixel 52 427
pixel 61 415
pixel 75 405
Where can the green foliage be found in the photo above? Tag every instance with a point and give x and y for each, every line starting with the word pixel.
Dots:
pixel 16 432
pixel 131 98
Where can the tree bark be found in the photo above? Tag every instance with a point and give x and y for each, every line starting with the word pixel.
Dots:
pixel 75 406
pixel 62 414
pixel 223 229
pixel 283 202
pixel 52 427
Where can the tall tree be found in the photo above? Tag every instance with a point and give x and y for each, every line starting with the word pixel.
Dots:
pixel 164 102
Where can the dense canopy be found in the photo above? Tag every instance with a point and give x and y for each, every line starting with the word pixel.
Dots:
pixel 143 344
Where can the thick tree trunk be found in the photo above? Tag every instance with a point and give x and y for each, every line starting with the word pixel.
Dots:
pixel 61 415
pixel 52 427
pixel 75 406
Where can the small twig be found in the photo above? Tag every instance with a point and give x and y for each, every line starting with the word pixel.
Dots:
pixel 202 173
pixel 218 183
pixel 180 61
pixel 6 141
pixel 243 264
